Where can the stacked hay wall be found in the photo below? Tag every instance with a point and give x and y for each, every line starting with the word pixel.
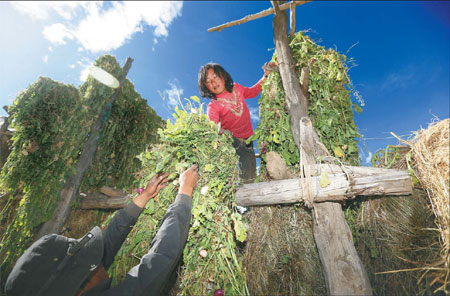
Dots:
pixel 52 121
pixel 280 255
pixel 393 240
pixel 431 155
pixel 402 240
pixel 129 129
pixel 211 258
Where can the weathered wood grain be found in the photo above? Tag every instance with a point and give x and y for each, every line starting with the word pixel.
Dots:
pixel 341 187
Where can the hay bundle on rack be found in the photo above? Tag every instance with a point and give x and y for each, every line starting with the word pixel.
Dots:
pixel 211 259
pixel 393 240
pixel 396 237
pixel 431 157
pixel 280 255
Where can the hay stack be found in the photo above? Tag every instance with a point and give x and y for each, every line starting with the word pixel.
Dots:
pixel 431 156
pixel 404 241
pixel 394 243
pixel 281 257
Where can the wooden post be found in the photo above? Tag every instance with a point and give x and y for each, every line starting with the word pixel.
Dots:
pixel 343 271
pixel 258 15
pixel 72 185
pixel 292 19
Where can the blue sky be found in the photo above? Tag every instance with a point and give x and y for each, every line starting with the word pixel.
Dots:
pixel 401 48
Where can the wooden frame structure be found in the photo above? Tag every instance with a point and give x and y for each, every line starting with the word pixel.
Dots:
pixel 343 271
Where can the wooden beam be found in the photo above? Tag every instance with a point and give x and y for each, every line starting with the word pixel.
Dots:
pixel 100 201
pixel 108 191
pixel 351 277
pixel 343 185
pixel 255 16
pixel 292 19
pixel 344 272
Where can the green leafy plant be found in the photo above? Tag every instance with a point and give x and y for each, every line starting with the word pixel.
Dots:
pixel 52 122
pixel 330 105
pixel 210 257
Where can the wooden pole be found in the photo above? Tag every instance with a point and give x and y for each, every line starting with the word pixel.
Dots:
pixel 292 19
pixel 343 271
pixel 72 185
pixel 258 15
pixel 100 201
pixel 334 184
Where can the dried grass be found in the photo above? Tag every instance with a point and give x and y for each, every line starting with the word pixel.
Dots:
pixel 280 256
pixel 404 241
pixel 80 222
pixel 431 156
pixel 394 242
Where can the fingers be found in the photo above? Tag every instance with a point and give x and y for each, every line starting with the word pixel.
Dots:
pixel 193 167
pixel 163 178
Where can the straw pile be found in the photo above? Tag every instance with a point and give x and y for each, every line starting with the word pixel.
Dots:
pixel 394 242
pixel 404 241
pixel 280 255
pixel 431 157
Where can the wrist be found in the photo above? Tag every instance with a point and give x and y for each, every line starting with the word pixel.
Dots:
pixel 141 200
pixel 187 190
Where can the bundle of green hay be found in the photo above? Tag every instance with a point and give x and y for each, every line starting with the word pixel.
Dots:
pixel 129 129
pixel 211 259
pixel 52 121
pixel 283 235
pixel 49 132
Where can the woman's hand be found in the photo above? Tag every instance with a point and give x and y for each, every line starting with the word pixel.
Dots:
pixel 268 68
pixel 154 186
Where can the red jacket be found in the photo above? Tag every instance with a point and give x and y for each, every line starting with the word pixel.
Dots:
pixel 231 110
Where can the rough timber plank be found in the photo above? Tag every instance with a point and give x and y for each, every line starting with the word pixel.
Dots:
pixel 344 272
pixel 351 278
pixel 383 182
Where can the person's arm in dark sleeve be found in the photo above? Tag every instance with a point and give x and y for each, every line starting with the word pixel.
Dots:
pixel 155 268
pixel 117 231
pixel 122 223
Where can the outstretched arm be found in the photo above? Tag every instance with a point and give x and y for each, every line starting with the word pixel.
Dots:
pixel 122 223
pixel 251 92
pixel 155 268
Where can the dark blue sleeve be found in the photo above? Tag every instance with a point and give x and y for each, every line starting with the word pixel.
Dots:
pixel 117 231
pixel 155 268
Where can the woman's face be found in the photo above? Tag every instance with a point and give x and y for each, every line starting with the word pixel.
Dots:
pixel 214 82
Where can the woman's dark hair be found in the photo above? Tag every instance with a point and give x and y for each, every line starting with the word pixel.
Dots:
pixel 220 71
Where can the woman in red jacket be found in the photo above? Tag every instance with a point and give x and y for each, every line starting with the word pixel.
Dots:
pixel 228 108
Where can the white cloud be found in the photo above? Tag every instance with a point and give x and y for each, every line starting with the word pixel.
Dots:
pixel 72 66
pixel 100 27
pixel 42 9
pixel 254 113
pixel 50 49
pixel 45 59
pixel 57 33
pixel 174 93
